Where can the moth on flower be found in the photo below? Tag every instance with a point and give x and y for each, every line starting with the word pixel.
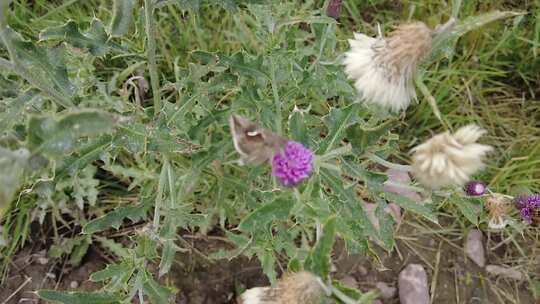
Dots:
pixel 295 288
pixel 255 144
pixel 383 68
pixel 291 161
pixel 449 159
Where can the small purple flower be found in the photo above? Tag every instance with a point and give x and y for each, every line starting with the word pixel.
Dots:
pixel 526 215
pixel 528 206
pixel 334 9
pixel 475 188
pixel 293 164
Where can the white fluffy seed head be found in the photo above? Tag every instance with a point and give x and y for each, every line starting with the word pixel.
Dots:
pixel 295 288
pixel 449 159
pixel 383 68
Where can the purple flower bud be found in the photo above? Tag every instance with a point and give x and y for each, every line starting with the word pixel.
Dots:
pixel 334 9
pixel 475 188
pixel 526 215
pixel 293 164
pixel 529 206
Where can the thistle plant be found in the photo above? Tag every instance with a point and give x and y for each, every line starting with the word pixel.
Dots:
pixel 81 151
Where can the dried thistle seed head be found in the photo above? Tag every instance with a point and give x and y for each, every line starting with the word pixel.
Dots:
pixel 295 288
pixel 449 159
pixel 404 48
pixel 383 68
pixel 498 207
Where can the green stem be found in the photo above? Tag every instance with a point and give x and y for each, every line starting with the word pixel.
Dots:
pixel 4 6
pixel 431 101
pixel 277 101
pixel 159 194
pixel 151 54
pixel 386 163
pixel 7 65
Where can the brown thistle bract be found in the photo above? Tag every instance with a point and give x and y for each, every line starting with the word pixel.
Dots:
pixel 294 288
pixel 404 47
pixel 498 207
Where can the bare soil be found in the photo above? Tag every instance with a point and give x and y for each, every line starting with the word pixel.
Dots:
pixel 200 280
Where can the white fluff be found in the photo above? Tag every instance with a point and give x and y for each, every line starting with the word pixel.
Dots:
pixel 449 159
pixel 374 81
pixel 256 295
pixel 383 68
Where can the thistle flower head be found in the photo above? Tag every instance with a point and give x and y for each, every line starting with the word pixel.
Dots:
pixel 449 159
pixel 383 68
pixel 293 164
pixel 475 188
pixel 498 207
pixel 529 206
pixel 296 288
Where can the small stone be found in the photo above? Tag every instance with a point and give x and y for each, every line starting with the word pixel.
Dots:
pixel 349 281
pixel 474 247
pixel 73 284
pixel 387 292
pixel 42 260
pixel 362 270
pixel 503 271
pixel 398 182
pixel 413 285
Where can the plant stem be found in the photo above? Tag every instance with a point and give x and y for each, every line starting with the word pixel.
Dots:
pixel 387 164
pixel 277 101
pixel 4 6
pixel 151 53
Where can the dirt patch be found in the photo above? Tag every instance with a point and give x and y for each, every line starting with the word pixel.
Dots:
pixel 200 280
pixel 30 271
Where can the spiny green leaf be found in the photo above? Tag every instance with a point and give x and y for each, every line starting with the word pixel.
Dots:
pixel 337 122
pixel 118 275
pixel 95 40
pixel 12 168
pixel 14 110
pixel 471 208
pixel 43 68
pixel 158 294
pixel 78 297
pixel 297 126
pixel 116 217
pixel 361 138
pixel 122 16
pixel 113 247
pixel 386 228
pixel 277 210
pixel 57 136
pixel 352 213
pixel 268 263
pixel 319 259
pixel 413 206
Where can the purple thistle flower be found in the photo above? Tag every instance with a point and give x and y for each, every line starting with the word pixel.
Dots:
pixel 475 188
pixel 528 205
pixel 293 164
